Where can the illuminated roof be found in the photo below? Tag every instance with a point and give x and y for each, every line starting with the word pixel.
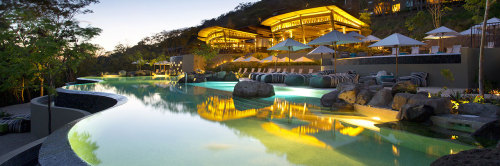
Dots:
pixel 310 12
pixel 205 32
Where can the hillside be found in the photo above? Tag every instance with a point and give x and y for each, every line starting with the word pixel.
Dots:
pixel 182 41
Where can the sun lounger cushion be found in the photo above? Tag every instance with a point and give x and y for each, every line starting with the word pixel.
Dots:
pixel 327 72
pixel 273 78
pixel 417 78
pixel 332 80
pixel 297 79
pixel 17 123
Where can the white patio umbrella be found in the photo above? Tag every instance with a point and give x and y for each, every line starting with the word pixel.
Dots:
pixel 289 45
pixel 355 35
pixel 239 59
pixel 303 59
pixel 441 32
pixel 493 20
pixel 285 59
pixel 334 38
pixel 470 32
pixel 432 37
pixel 396 40
pixel 370 38
pixel 251 59
pixel 269 59
pixel 321 50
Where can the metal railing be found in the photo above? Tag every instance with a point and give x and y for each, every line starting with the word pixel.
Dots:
pixel 492 36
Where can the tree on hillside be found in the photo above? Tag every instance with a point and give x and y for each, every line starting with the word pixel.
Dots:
pixel 366 18
pixel 437 11
pixel 42 42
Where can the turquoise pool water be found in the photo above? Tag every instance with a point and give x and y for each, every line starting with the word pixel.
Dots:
pixel 202 124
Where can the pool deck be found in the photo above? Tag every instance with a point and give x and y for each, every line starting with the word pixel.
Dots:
pixel 12 141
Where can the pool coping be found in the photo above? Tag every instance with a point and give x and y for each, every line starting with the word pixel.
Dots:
pixel 56 149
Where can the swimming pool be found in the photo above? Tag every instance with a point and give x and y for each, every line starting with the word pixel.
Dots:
pixel 202 124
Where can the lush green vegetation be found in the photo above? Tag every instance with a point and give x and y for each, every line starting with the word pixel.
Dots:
pixel 41 46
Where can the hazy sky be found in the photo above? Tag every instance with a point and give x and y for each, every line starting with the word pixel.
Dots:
pixel 129 21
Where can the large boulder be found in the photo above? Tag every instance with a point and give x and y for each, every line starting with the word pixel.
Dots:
pixel 404 87
pixel 382 98
pixel 221 75
pixel 327 100
pixel 230 76
pixel 415 113
pixel 297 80
pixel 346 85
pixel 470 157
pixel 440 105
pixel 341 105
pixel 122 73
pixel 400 99
pixel 192 78
pixel 250 89
pixel 488 134
pixel 483 110
pixel 348 93
pixel 375 88
pixel 364 96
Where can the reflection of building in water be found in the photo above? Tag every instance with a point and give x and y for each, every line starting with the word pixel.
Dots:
pixel 219 108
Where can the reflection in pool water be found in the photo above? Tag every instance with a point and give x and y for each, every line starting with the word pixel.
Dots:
pixel 163 123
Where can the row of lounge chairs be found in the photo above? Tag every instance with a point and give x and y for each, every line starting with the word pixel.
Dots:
pixel 434 50
pixel 323 79
pixel 271 70
pixel 386 79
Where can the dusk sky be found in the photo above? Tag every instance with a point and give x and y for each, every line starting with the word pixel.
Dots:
pixel 129 21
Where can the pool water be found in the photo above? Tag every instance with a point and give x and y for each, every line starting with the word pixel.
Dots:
pixel 163 123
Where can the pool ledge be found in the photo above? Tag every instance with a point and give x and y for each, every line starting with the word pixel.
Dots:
pixel 56 149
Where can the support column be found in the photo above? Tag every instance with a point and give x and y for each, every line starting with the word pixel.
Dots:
pixel 303 31
pixel 272 40
pixel 225 38
pixel 332 20
pixel 255 42
pixel 343 29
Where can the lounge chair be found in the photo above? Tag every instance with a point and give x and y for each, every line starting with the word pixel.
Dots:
pixel 300 71
pixel 292 70
pixel 273 78
pixel 327 72
pixel 434 49
pixel 491 45
pixel 417 78
pixel 297 79
pixel 415 50
pixel 310 71
pixel 449 50
pixel 332 80
pixel 456 49
pixel 394 51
